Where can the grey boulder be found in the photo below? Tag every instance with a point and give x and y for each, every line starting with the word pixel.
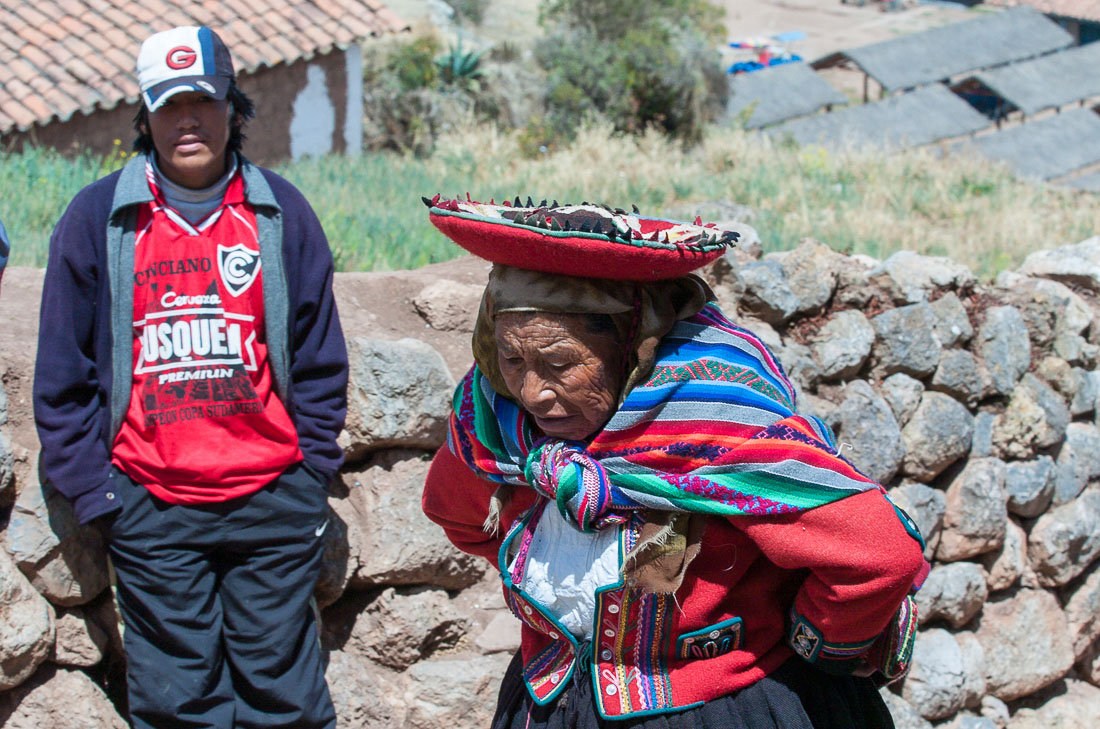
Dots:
pixel 390 540
pixel 842 346
pixel 975 515
pixel 1036 418
pixel 1066 540
pixel 1077 264
pixel 64 561
pixel 926 506
pixel 811 271
pixel 958 375
pixel 868 425
pixel 768 295
pixel 906 341
pixel 1030 486
pixel 28 621
pixel 453 691
pixel 1025 642
pixel 399 396
pixel 910 278
pixel 1002 343
pixel 941 680
pixel 953 592
pixel 902 393
pixel 57 698
pixel 938 434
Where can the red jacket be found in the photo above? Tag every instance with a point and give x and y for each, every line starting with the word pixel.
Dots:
pixel 828 580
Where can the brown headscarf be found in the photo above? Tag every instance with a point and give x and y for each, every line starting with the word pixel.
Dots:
pixel 643 313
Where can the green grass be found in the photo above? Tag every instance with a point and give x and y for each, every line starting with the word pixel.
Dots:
pixel 855 201
pixel 38 186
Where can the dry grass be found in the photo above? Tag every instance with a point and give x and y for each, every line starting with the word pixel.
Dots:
pixel 854 200
pixel 857 201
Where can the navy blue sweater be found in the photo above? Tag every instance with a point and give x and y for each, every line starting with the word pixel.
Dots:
pixel 74 375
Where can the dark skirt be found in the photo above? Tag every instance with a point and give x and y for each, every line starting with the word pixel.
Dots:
pixel 795 696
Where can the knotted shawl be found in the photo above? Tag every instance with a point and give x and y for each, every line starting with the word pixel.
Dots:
pixel 711 430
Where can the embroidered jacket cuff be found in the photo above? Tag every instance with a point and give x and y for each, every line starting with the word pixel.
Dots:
pixel 837 658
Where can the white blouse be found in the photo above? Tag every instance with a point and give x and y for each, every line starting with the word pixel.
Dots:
pixel 565 566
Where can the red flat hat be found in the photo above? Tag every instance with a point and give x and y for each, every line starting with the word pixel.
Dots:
pixel 585 240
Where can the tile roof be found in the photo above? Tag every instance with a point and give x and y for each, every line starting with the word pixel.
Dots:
pixel 58 57
pixel 1076 9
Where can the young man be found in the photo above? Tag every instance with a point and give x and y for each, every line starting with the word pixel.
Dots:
pixel 189 388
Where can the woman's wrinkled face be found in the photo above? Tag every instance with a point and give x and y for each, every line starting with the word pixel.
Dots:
pixel 564 375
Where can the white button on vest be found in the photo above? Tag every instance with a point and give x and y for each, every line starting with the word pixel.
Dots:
pixel 609 633
pixel 606 655
pixel 612 609
pixel 611 690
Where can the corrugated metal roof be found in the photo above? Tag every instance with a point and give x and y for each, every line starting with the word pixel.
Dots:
pixel 940 53
pixel 1048 82
pixel 58 57
pixel 927 115
pixel 1090 182
pixel 1076 9
pixel 1047 148
pixel 779 93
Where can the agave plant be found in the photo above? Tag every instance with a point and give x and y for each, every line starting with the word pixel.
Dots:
pixel 458 68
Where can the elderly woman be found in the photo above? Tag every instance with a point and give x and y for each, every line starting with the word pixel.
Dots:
pixel 682 548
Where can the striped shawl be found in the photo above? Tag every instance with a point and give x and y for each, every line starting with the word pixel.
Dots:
pixel 713 430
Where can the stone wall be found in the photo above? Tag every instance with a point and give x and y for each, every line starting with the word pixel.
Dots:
pixel 976 404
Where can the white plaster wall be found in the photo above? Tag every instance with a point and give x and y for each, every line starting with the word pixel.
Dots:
pixel 353 119
pixel 314 117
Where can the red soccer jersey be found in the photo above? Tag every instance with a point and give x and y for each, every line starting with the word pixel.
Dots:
pixel 204 422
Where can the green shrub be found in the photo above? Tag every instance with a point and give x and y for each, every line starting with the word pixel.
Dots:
pixel 413 63
pixel 608 19
pixel 643 65
pixel 412 91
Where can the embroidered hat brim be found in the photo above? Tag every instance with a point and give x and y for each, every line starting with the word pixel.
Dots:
pixel 584 240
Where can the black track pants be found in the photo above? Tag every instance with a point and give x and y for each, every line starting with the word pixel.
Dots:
pixel 220 631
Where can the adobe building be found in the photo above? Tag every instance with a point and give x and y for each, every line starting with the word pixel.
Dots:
pixel 67 78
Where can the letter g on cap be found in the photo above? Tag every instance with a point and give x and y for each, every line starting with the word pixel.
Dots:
pixel 180 57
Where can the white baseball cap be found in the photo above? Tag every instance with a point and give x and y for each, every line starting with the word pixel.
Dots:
pixel 187 58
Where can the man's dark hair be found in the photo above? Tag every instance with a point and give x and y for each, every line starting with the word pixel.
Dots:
pixel 243 110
